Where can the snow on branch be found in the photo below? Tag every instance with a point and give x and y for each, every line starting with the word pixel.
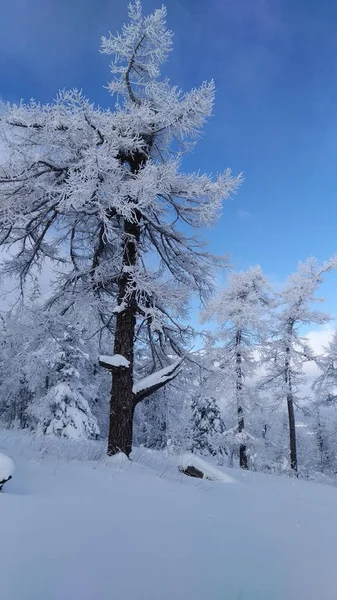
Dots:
pixel 116 361
pixel 150 384
pixel 139 50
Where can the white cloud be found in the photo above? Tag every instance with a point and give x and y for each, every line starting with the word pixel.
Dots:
pixel 319 338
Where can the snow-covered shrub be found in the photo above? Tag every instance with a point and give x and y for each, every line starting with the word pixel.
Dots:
pixel 63 409
pixel 68 414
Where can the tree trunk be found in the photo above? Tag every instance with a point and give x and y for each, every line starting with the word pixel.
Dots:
pixel 290 405
pixel 122 397
pixel 122 401
pixel 292 432
pixel 239 385
pixel 320 441
pixel 243 447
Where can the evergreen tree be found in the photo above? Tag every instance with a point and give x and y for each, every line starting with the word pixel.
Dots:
pixel 207 426
pixel 47 373
pixel 64 410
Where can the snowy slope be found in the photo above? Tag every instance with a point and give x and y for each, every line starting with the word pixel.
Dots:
pixel 140 530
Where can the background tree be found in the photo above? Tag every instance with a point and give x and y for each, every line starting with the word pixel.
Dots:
pixel 287 352
pixel 62 406
pixel 47 381
pixel 324 405
pixel 207 425
pixel 240 310
pixel 151 421
pixel 325 385
pixel 16 395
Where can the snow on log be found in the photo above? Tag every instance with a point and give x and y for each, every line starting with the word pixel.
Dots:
pixel 146 386
pixel 191 471
pixel 6 469
pixel 116 361
pixel 192 465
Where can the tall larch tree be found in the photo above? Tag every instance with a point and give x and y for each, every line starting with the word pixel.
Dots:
pixel 97 192
pixel 325 402
pixel 288 350
pixel 240 311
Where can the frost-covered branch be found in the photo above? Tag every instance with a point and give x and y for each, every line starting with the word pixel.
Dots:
pixel 152 383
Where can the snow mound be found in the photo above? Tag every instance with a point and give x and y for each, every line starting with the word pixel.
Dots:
pixel 210 472
pixel 118 460
pixel 6 467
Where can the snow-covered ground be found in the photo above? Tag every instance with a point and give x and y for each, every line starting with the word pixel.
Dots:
pixel 111 529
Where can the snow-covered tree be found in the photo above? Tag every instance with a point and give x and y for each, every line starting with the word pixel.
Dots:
pixel 325 404
pixel 325 386
pixel 240 311
pixel 287 352
pixel 47 373
pixel 208 426
pixel 96 192
pixel 15 393
pixel 63 409
pixel 151 421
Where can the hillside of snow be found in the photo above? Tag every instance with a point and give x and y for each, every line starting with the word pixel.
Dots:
pixel 76 525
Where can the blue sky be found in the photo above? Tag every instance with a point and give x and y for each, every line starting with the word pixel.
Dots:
pixel 275 67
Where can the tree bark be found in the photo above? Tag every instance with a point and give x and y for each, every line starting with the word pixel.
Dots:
pixel 239 385
pixel 292 432
pixel 320 439
pixel 290 406
pixel 122 403
pixel 122 397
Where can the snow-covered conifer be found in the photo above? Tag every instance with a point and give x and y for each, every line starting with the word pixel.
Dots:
pixel 207 426
pixel 63 409
pixel 47 373
pixel 240 311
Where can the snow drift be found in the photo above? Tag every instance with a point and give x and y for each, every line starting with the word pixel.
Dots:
pixel 140 530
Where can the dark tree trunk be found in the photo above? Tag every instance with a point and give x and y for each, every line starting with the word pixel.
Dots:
pixel 122 402
pixel 292 432
pixel 239 385
pixel 320 439
pixel 290 406
pixel 122 397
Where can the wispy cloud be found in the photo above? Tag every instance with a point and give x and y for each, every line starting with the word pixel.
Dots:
pixel 243 214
